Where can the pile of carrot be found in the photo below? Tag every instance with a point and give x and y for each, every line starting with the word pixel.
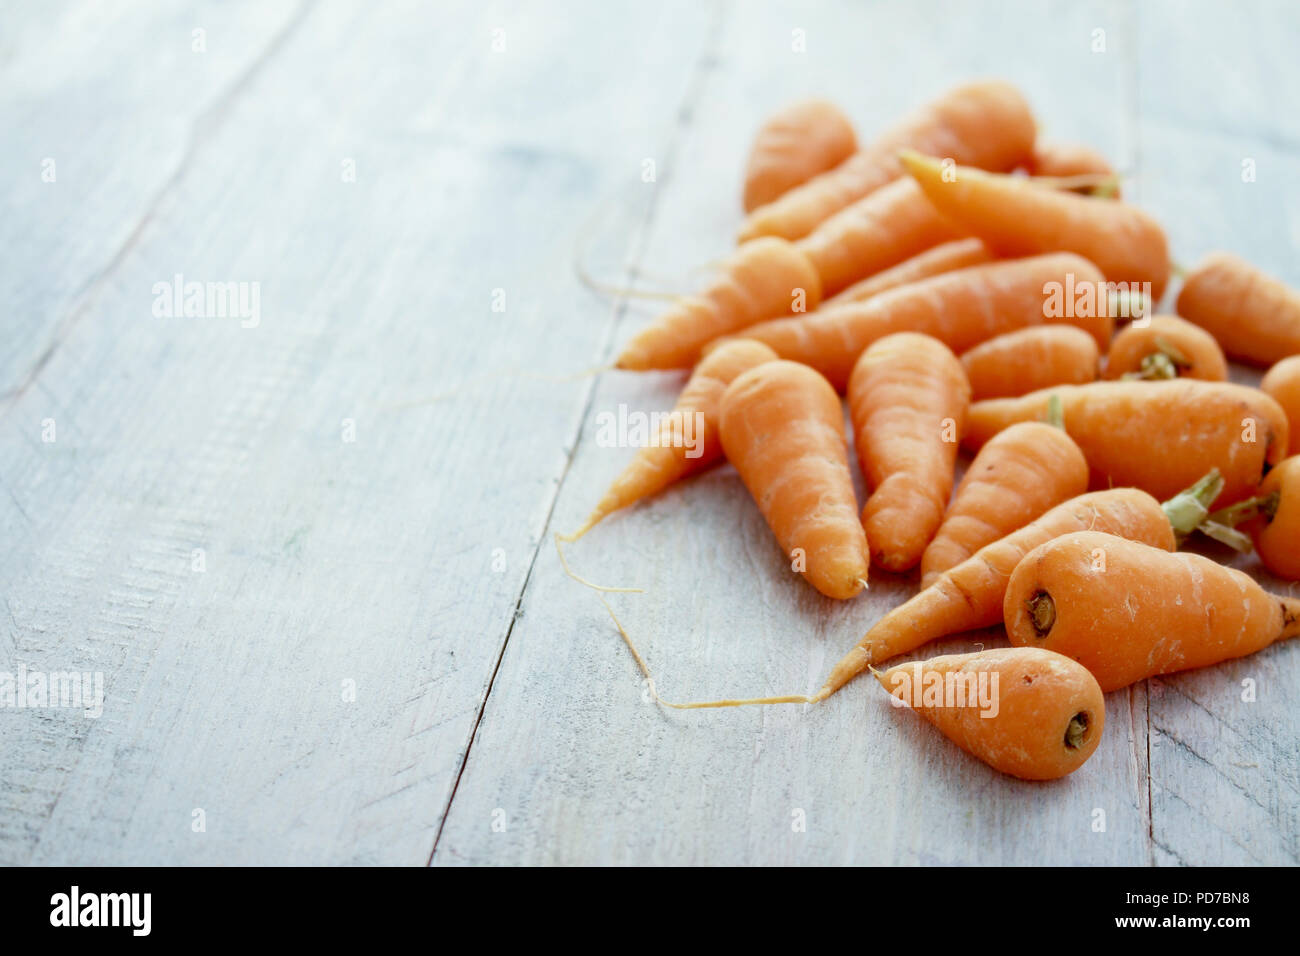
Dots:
pixel 973 289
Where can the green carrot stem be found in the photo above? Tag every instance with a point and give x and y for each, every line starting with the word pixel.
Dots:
pixel 1187 509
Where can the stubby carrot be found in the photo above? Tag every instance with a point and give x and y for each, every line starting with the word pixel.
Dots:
pixel 907 399
pixel 1157 436
pixel 947 257
pixel 761 279
pixel 1016 217
pixel 1029 359
pixel 1255 317
pixel 782 427
pixel 1166 347
pixel 1126 611
pixel 1026 712
pixel 1282 382
pixel 893 223
pixel 682 448
pixel 960 309
pixel 1019 475
pixel 1271 518
pixel 794 145
pixel 969 595
pixel 986 124
pixel 1066 160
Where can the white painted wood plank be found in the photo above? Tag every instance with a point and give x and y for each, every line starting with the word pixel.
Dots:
pixel 395 561
pixel 571 763
pixel 1225 770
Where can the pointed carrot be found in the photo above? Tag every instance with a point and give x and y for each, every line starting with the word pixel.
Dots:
pixel 1029 359
pixel 986 124
pixel 1255 317
pixel 907 397
pixel 794 145
pixel 681 447
pixel 782 427
pixel 1016 217
pixel 960 309
pixel 947 257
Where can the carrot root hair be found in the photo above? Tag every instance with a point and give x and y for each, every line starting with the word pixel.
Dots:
pixel 583 581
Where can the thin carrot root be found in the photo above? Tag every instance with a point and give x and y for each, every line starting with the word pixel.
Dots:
pixel 583 581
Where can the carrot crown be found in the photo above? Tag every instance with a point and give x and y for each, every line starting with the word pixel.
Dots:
pixel 1188 509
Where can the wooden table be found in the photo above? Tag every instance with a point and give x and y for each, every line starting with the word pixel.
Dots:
pixel 311 555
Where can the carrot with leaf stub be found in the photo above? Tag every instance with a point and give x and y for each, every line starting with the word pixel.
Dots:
pixel 794 145
pixel 783 429
pixel 1165 347
pixel 1127 611
pixel 1016 217
pixel 687 441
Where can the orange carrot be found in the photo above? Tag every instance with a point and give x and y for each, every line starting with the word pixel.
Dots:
pixel 1157 436
pixel 1255 317
pixel 1166 347
pixel 1017 217
pixel 1126 611
pixel 908 399
pixel 891 224
pixel 1282 382
pixel 984 124
pixel 682 447
pixel 960 309
pixel 1029 713
pixel 969 595
pixel 794 145
pixel 761 279
pixel 1066 160
pixel 1019 475
pixel 1029 359
pixel 782 427
pixel 1271 518
pixel 947 257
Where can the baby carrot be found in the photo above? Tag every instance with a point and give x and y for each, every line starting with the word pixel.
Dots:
pixel 1282 382
pixel 1029 359
pixel 1066 160
pixel 1029 713
pixel 1271 518
pixel 958 254
pixel 960 309
pixel 1157 436
pixel 682 448
pixel 761 279
pixel 782 427
pixel 1017 217
pixel 1126 611
pixel 1255 317
pixel 908 399
pixel 1019 475
pixel 794 145
pixel 985 124
pixel 880 230
pixel 969 595
pixel 1166 347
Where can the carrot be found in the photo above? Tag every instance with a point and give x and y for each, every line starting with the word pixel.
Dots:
pixel 682 448
pixel 985 124
pixel 1029 359
pixel 1271 519
pixel 1019 475
pixel 1255 317
pixel 969 595
pixel 794 145
pixel 782 427
pixel 1282 383
pixel 960 309
pixel 891 224
pixel 1157 436
pixel 1126 611
pixel 1016 217
pixel 1029 713
pixel 1065 160
pixel 947 257
pixel 1166 347
pixel 761 279
pixel 907 399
